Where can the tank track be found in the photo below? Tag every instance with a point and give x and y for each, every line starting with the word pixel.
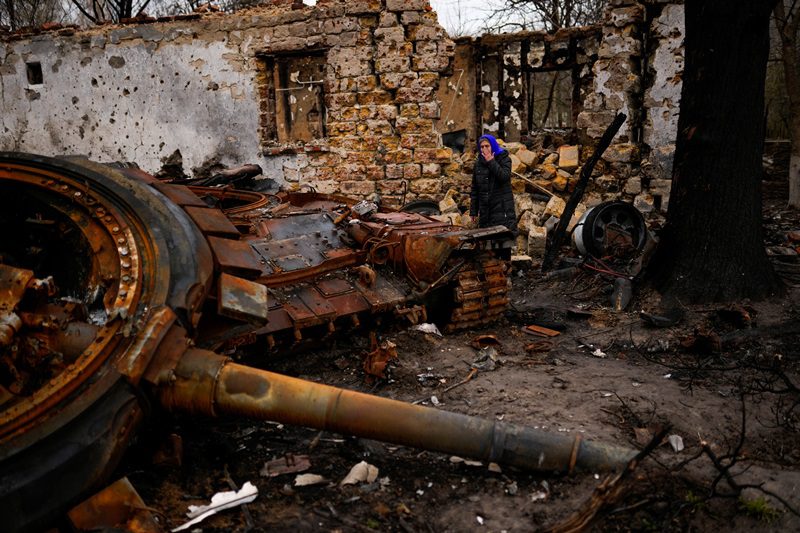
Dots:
pixel 481 294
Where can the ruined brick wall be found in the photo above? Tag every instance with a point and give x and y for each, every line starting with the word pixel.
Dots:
pixel 638 72
pixel 352 96
pixel 196 84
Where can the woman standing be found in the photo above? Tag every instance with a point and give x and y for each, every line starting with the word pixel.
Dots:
pixel 491 199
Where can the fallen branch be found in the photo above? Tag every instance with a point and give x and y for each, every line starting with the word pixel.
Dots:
pixel 608 492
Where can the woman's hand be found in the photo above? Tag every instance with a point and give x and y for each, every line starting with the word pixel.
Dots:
pixel 486 152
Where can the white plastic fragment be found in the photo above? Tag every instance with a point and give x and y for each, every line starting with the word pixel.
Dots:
pixel 676 442
pixel 538 495
pixel 435 400
pixel 599 353
pixel 428 328
pixel 303 480
pixel 360 473
pixel 219 501
pixel 479 518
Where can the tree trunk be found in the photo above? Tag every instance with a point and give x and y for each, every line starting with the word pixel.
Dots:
pixel 787 23
pixel 712 246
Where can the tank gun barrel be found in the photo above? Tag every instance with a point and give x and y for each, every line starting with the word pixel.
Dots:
pixel 208 384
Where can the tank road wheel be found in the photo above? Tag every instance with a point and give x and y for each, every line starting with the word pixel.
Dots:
pixel 95 267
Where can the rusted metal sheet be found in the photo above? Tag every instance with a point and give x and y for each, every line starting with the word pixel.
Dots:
pixel 242 299
pixel 212 221
pixel 235 257
pixel 117 507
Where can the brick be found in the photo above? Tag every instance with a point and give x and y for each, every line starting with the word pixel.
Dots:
pixel 410 17
pixel 453 170
pixel 375 172
pixel 350 171
pixel 366 83
pixel 621 153
pixel 359 7
pixel 341 128
pixel 412 171
pixel 374 98
pixel 412 125
pixel 379 127
pixel 429 110
pixel 537 242
pixel 392 64
pixel 409 111
pixel 431 170
pixel 426 33
pixel 394 172
pixel 357 188
pixel 434 62
pixel 422 94
pixel 428 139
pixel 404 49
pixel 568 157
pixel 406 5
pixel 391 187
pixel 431 187
pixel 394 34
pixel 395 80
pixel 633 186
pixel 409 140
pixel 387 112
pixel 387 19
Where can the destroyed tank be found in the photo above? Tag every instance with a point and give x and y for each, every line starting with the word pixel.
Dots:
pixel 118 292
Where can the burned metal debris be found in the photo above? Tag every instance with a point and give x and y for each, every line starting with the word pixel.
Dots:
pixel 115 288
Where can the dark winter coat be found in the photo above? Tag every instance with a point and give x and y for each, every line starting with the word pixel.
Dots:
pixel 491 198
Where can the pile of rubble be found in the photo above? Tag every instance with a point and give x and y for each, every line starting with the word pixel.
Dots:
pixel 542 180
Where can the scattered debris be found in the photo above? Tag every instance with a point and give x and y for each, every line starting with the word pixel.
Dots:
pixel 469 462
pixel 363 472
pixel 219 502
pixel 599 353
pixel 482 341
pixel 539 346
pixel 305 480
pixel 170 453
pixel 288 464
pixel 472 373
pixel 622 294
pixel 737 315
pixel 487 360
pixel 703 341
pixel 427 328
pixel 540 331
pixel 671 317
pixel 643 435
pixel 376 360
pixel 676 442
pixel 117 507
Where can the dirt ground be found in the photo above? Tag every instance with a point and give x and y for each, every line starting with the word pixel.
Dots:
pixel 725 379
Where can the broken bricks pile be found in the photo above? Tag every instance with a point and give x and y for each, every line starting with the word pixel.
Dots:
pixel 542 180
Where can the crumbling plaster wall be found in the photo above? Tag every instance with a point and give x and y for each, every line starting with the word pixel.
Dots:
pixel 134 93
pixel 139 92
pixel 394 82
